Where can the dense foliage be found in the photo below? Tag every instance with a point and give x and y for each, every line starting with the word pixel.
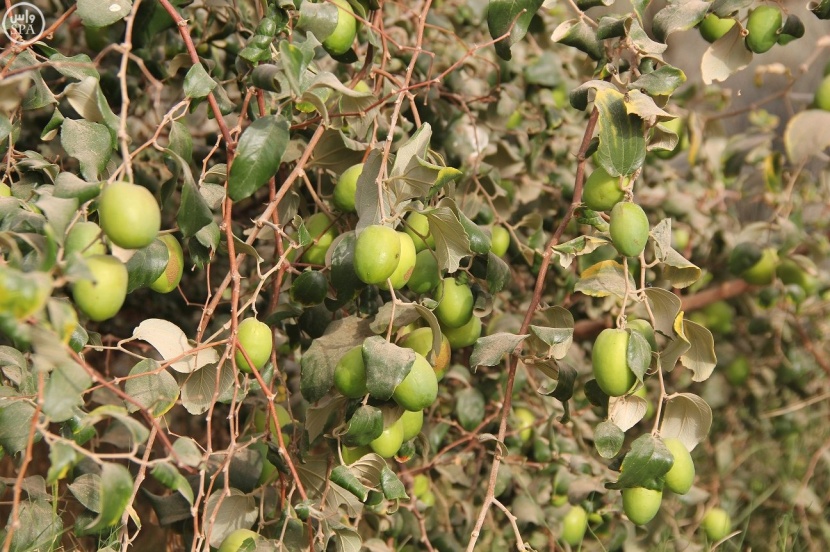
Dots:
pixel 442 275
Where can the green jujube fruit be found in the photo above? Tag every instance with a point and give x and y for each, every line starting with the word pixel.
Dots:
pixel 763 25
pixel 641 504
pixel 419 389
pixel 681 476
pixel 629 228
pixel 377 253
pixel 610 363
pixel 602 191
pixel 101 297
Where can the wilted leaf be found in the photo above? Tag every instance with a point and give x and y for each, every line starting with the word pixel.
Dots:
pixel 700 358
pixel 605 278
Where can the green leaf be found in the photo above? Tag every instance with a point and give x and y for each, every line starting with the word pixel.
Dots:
pixel 187 451
pixel 199 387
pixel 87 98
pixel 820 8
pixel 554 327
pixel 469 408
pixel 679 15
pixel 258 156
pixel 343 276
pixel 451 241
pixel 345 538
pixel 727 55
pixel 15 421
pixel 181 142
pixel 116 491
pixel 365 425
pixel 318 19
pixel 578 34
pixel 197 82
pixel 62 457
pixel 686 417
pixel 225 512
pixel 64 391
pixel 146 265
pixel 89 143
pixel 319 361
pixel 605 278
pixel 498 273
pixel 622 146
pixel 501 16
pixel 582 245
pixel 194 213
pixel 638 354
pixel 391 486
pixel 723 8
pixel 86 488
pixel 102 13
pixel 68 185
pixel 644 465
pixel 479 240
pixel 700 358
pixel 661 82
pixel 40 527
pixel 386 366
pixel 608 439
pixel 489 350
pixel 152 387
pixel 343 477
pixel 59 212
pixel 167 474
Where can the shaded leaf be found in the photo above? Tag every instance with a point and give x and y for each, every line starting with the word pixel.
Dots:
pixel 646 462
pixel 343 477
pixel 700 358
pixel 608 439
pixel 319 362
pixel 201 386
pixel 727 55
pixel 225 514
pixel 197 82
pixel 386 366
pixel 686 417
pixel 501 16
pixel 451 241
pixel 258 156
pixel 146 265
pixel 89 143
pixel 489 350
pixel 64 391
pixel 680 15
pixel 116 491
pixel 102 13
pixel 578 34
pixel 151 387
pixel 665 306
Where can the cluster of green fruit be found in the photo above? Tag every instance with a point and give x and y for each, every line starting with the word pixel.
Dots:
pixel 629 224
pixel 765 28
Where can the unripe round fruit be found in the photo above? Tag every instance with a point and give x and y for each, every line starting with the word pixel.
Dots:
pixel 388 443
pixel 499 241
pixel 762 273
pixel 406 264
pixel 412 421
pixel 790 272
pixel 320 228
pixel 5 190
pixel 629 228
pixel 129 215
pixel 455 303
pixel 101 297
pixel 610 364
pixel 419 389
pixel 84 238
pixel 822 97
pixel 602 191
pixel 466 335
pixel 641 504
pixel 377 251
pixel 713 27
pixel 340 40
pixel 420 341
pixel 525 420
pixel 681 476
pixel 234 541
pixel 574 525
pixel 255 337
pixel 717 524
pixel 309 288
pixel 763 25
pixel 353 454
pixel 420 485
pixel 346 188
pixel 23 294
pixel 172 275
pixel 416 223
pixel 425 275
pixel 350 374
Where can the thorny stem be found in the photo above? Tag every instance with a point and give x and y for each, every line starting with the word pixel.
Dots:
pixel 531 310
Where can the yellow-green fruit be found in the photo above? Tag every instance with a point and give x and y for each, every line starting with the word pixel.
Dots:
pixel 420 485
pixel 602 191
pixel 406 264
pixel 388 443
pixel 346 187
pixel 499 241
pixel 322 232
pixel 101 297
pixel 466 335
pixel 822 97
pixel 629 228
pixel 419 388
pixel 420 341
pixel 763 25
pixel 84 238
pixel 353 454
pixel 237 540
pixel 717 524
pixel 412 421
pixel 641 504
pixel 425 275
pixel 762 273
pixel 791 273
pixel 377 252
pixel 172 275
pixel 22 294
pixel 341 39
pixel 713 27
pixel 255 337
pixel 350 374
pixel 574 525
pixel 525 420
pixel 417 225
pixel 681 476
pixel 129 215
pixel 455 303
pixel 5 190
pixel 610 364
